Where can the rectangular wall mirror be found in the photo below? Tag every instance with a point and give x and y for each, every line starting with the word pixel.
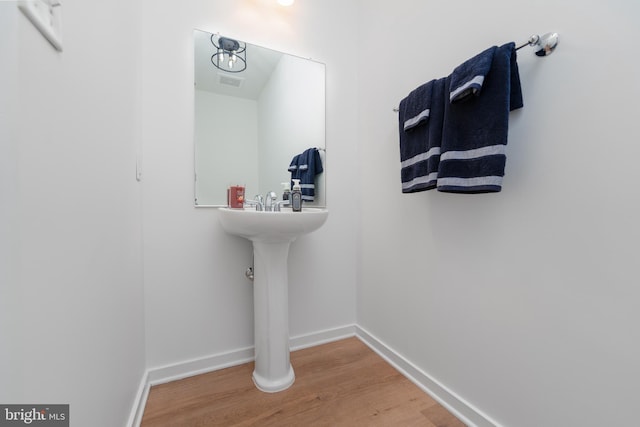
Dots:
pixel 252 117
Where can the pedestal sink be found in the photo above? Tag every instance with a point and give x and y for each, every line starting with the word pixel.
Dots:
pixel 271 234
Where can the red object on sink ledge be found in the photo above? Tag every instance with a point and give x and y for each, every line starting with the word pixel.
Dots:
pixel 235 196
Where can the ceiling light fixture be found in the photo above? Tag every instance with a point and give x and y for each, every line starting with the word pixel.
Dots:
pixel 230 56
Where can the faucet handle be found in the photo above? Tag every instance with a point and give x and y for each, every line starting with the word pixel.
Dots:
pixel 280 203
pixel 258 202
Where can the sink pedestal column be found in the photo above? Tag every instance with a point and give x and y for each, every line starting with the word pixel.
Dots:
pixel 273 371
pixel 271 234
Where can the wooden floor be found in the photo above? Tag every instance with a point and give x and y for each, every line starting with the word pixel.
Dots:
pixel 342 383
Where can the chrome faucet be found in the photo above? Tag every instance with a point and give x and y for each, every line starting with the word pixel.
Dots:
pixel 258 202
pixel 270 204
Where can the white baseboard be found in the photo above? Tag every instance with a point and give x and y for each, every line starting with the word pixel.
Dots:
pixel 321 337
pixel 135 418
pixel 462 409
pixel 189 368
pixel 466 412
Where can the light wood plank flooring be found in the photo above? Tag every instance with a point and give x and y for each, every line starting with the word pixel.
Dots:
pixel 343 383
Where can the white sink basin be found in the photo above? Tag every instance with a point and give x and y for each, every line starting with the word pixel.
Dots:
pixel 271 234
pixel 271 226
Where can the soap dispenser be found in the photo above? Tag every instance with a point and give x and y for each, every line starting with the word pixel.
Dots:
pixel 286 190
pixel 296 196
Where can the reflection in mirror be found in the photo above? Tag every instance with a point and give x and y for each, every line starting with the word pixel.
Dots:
pixel 250 124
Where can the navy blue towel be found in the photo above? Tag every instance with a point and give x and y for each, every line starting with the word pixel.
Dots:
pixel 305 167
pixel 474 138
pixel 293 167
pixel 468 77
pixel 420 125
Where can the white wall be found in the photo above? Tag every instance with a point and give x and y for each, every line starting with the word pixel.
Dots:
pixel 198 302
pixel 10 294
pixel 233 120
pixel 524 303
pixel 72 307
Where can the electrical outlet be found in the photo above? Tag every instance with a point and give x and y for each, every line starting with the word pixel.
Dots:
pixel 46 16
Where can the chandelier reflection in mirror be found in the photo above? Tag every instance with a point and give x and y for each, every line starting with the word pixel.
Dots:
pixel 230 56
